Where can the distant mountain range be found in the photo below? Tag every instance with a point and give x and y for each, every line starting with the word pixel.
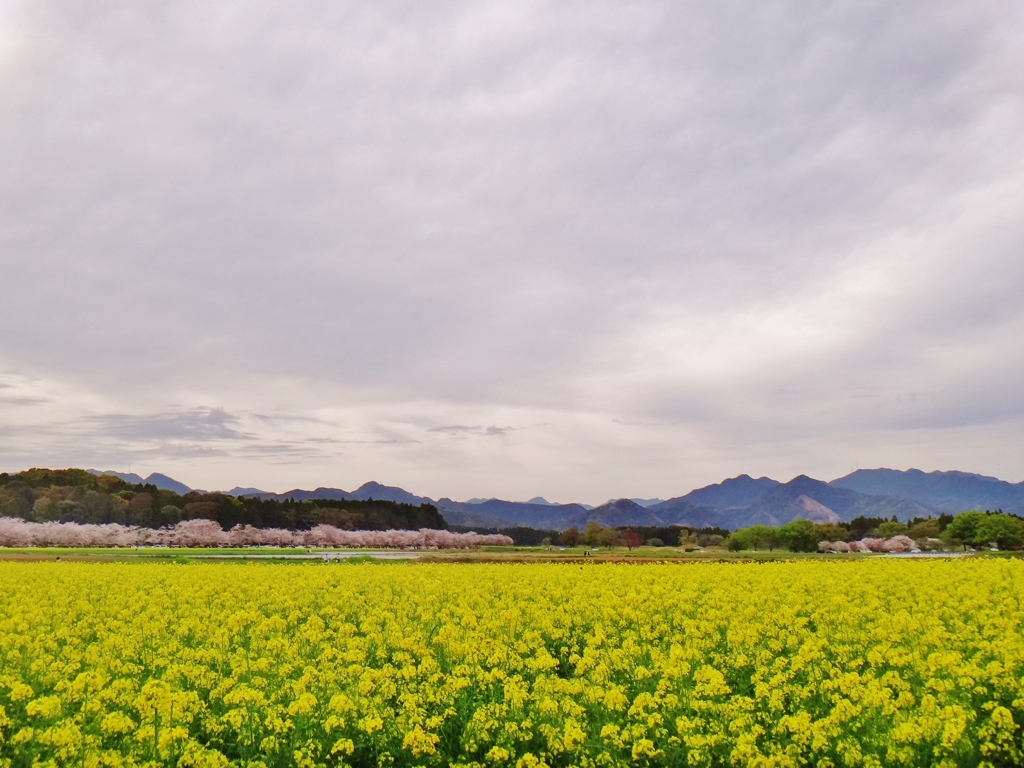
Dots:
pixel 163 482
pixel 941 491
pixel 733 503
pixel 366 491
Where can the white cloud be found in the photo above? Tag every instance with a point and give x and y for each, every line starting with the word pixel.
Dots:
pixel 484 249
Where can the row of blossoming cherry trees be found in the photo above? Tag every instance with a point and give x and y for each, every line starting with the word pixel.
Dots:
pixel 15 532
pixel 898 543
pixel 208 533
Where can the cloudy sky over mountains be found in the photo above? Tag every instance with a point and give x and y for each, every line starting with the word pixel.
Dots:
pixel 511 249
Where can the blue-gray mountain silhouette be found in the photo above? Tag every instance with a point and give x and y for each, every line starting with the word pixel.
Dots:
pixel 370 490
pixel 948 492
pixel 509 513
pixel 163 482
pixel 732 503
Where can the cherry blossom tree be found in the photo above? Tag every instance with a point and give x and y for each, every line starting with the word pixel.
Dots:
pixel 899 543
pixel 15 532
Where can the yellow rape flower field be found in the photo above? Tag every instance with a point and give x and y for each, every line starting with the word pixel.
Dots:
pixel 872 663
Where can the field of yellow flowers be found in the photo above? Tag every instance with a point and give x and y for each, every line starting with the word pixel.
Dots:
pixel 868 663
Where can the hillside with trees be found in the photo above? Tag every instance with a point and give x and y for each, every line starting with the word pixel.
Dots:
pixel 77 496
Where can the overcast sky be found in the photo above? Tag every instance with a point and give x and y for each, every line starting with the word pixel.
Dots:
pixel 579 250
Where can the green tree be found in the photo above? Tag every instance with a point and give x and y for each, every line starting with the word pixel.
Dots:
pixel 891 528
pixel 140 509
pixel 862 526
pixel 709 540
pixel 687 539
pixel 754 537
pixel 570 537
pixel 830 532
pixel 765 537
pixel 16 501
pixel 95 506
pixel 45 508
pixel 169 515
pixel 207 510
pixel 591 534
pixel 964 529
pixel 737 541
pixel 608 537
pixel 800 536
pixel 926 529
pixel 118 510
pixel 1002 530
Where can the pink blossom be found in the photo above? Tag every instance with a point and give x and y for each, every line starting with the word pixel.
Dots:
pixel 19 533
pixel 194 533
pixel 207 533
pixel 833 546
pixel 899 543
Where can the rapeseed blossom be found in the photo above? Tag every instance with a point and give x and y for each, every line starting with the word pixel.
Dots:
pixel 867 663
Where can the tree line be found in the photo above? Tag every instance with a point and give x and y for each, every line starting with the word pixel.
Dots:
pixel 76 496
pixel 974 528
pixel 866 534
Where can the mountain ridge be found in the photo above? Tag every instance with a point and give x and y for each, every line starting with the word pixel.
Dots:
pixel 947 491
pixel 161 481
pixel 732 503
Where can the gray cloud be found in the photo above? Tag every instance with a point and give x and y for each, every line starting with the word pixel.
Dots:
pixel 458 430
pixel 17 400
pixel 198 425
pixel 753 227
